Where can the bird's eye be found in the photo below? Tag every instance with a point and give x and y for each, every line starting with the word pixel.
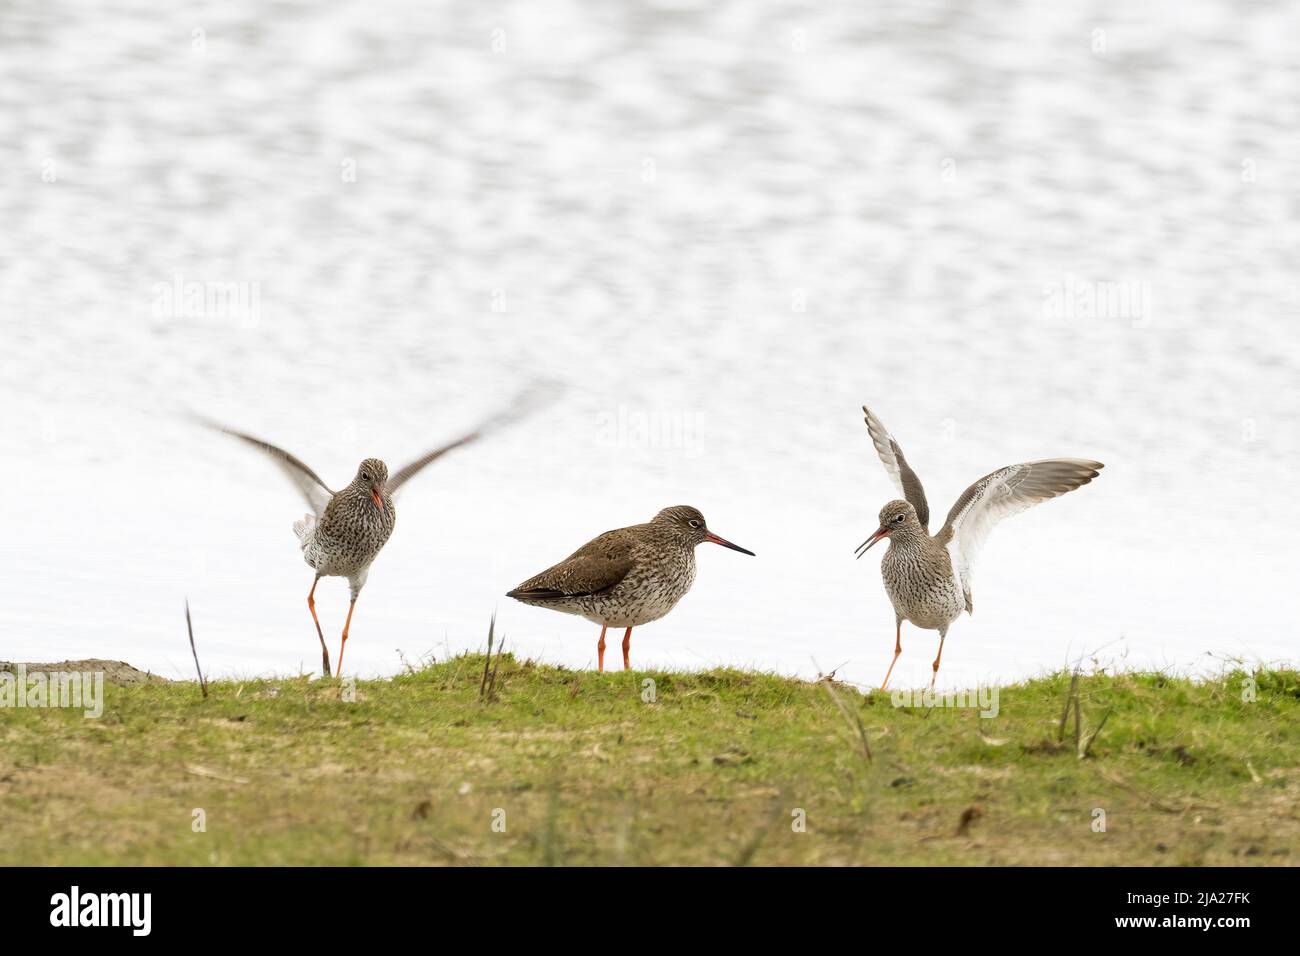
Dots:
pixel 364 476
pixel 693 523
pixel 899 519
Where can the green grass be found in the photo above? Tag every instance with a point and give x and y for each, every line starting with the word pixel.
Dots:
pixel 585 771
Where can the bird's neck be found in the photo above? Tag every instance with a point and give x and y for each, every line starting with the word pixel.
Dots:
pixel 359 496
pixel 672 541
pixel 910 543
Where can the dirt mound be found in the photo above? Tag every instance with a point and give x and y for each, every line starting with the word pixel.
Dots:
pixel 115 672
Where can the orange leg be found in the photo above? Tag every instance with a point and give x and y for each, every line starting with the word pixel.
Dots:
pixel 600 649
pixel 898 649
pixel 943 636
pixel 311 606
pixel 627 642
pixel 346 624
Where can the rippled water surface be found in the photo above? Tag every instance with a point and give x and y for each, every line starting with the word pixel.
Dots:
pixel 1016 230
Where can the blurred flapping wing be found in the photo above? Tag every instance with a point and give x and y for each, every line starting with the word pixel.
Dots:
pixel 523 404
pixel 307 481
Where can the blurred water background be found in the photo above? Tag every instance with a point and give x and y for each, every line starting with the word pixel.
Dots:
pixel 1016 230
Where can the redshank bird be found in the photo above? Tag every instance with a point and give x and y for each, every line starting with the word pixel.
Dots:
pixel 928 578
pixel 626 577
pixel 346 529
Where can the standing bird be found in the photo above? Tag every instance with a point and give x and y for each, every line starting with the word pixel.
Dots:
pixel 346 529
pixel 626 577
pixel 928 579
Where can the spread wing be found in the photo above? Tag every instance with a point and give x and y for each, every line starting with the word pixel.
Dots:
pixel 317 493
pixel 1006 492
pixel 407 472
pixel 523 403
pixel 891 456
pixel 597 566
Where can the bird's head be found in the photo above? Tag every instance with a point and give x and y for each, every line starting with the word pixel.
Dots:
pixel 372 478
pixel 686 525
pixel 898 522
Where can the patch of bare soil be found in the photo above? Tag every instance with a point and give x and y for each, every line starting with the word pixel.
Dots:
pixel 115 672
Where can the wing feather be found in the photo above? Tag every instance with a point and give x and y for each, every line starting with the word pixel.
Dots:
pixel 999 495
pixel 524 403
pixel 891 456
pixel 597 566
pixel 317 493
pixel 409 471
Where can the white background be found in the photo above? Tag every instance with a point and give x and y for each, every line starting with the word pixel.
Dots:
pixel 652 192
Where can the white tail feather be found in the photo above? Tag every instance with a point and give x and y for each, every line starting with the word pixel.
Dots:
pixel 304 527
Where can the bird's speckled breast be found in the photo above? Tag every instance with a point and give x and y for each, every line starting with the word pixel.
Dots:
pixel 349 535
pixel 921 585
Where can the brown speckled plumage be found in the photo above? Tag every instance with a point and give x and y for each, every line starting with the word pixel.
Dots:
pixel 626 577
pixel 928 578
pixel 352 529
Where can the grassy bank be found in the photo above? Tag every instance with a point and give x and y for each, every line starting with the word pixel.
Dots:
pixel 717 768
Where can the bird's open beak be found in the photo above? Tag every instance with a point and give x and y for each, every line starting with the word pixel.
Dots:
pixel 379 501
pixel 865 546
pixel 710 536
